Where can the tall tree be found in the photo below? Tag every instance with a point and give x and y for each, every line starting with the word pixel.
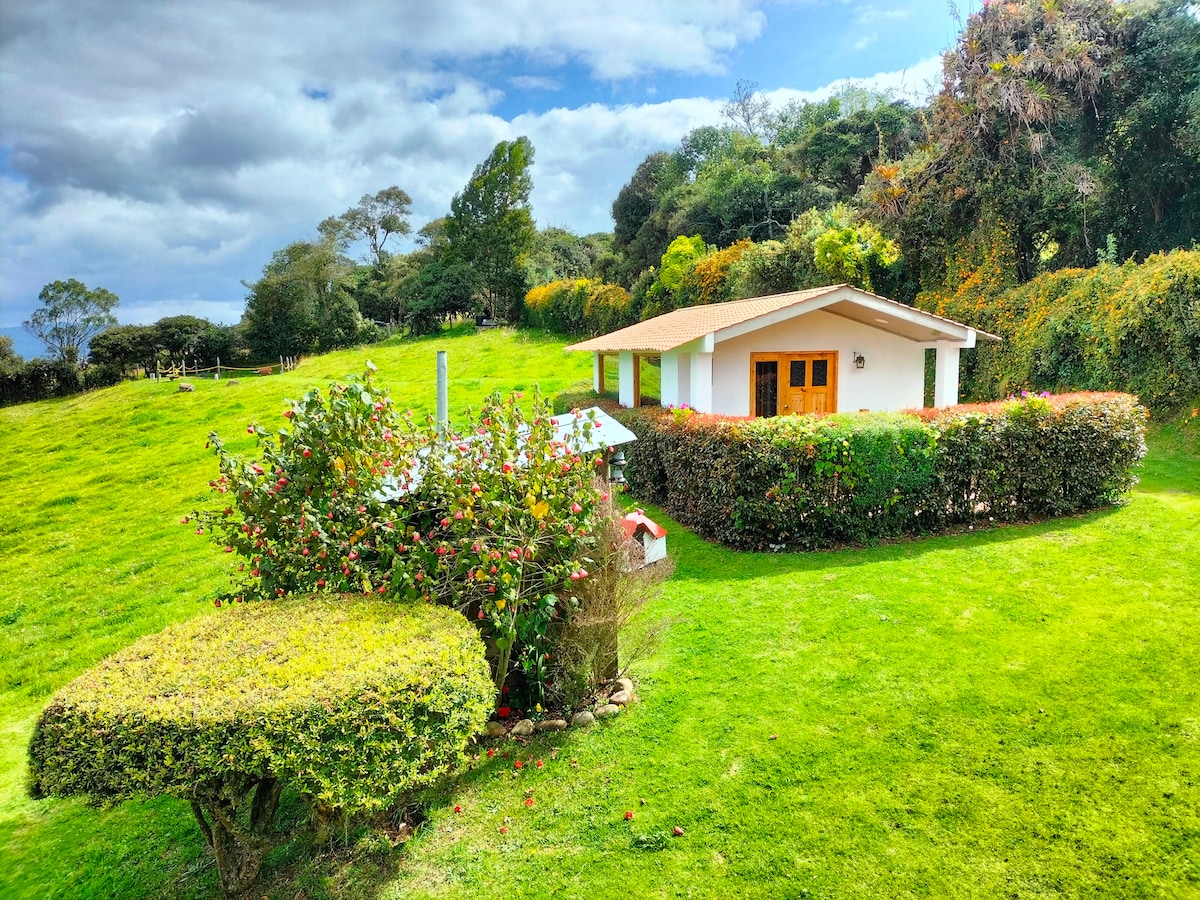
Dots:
pixel 491 228
pixel 302 303
pixel 70 315
pixel 375 219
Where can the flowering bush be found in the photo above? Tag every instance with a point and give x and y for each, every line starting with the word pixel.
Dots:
pixel 496 520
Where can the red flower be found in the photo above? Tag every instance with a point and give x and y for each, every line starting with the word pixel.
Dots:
pixel 458 809
pixel 504 712
pixel 628 815
pixel 518 764
pixel 529 801
pixel 491 752
pixel 540 764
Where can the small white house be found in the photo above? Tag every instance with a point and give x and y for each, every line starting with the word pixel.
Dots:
pixel 828 349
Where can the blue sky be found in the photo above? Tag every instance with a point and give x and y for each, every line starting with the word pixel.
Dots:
pixel 164 150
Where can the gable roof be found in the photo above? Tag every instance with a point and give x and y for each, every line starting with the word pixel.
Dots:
pixel 682 326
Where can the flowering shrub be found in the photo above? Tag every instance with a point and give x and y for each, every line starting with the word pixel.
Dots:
pixel 578 307
pixel 1134 327
pixel 496 520
pixel 807 482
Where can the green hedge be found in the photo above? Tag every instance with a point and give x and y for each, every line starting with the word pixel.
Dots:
pixel 578 307
pixel 807 482
pixel 1134 327
pixel 352 702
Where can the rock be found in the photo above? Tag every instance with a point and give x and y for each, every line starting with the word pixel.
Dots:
pixel 621 698
pixel 186 388
pixel 624 684
pixel 584 718
pixel 524 728
pixel 495 729
pixel 551 725
pixel 607 711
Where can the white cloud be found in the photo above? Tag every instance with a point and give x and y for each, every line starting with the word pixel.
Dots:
pixel 165 150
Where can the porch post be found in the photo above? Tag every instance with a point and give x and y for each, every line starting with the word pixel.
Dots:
pixel 626 375
pixel 702 382
pixel 945 378
pixel 598 373
pixel 683 378
pixel 669 385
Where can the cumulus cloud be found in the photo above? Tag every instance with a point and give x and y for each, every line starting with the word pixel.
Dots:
pixel 164 150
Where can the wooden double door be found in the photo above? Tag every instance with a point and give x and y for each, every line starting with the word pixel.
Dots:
pixel 786 383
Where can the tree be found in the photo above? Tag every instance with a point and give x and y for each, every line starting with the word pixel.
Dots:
pixel 747 109
pixel 376 218
pixel 70 315
pixel 491 228
pixel 125 347
pixel 302 303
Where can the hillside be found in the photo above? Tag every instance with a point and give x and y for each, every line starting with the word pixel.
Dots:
pixel 988 714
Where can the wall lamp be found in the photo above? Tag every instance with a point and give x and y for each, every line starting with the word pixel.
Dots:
pixel 860 361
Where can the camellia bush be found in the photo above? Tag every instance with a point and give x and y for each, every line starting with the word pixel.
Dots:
pixel 496 518
pixel 352 703
pixel 810 482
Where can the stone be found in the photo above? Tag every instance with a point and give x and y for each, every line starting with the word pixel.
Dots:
pixel 524 728
pixel 495 729
pixel 607 711
pixel 624 684
pixel 583 718
pixel 186 388
pixel 551 725
pixel 621 698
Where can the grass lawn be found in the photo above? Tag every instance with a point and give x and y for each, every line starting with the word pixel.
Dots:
pixel 1014 712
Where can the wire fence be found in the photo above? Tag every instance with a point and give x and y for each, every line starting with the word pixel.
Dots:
pixel 181 369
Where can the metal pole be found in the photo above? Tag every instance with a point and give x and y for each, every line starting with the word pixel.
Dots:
pixel 443 383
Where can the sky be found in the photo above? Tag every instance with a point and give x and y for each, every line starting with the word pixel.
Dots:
pixel 163 150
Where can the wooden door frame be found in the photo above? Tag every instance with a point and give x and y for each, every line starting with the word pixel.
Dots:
pixel 779 356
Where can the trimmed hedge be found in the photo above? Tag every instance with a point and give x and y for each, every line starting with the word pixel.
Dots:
pixel 352 702
pixel 810 482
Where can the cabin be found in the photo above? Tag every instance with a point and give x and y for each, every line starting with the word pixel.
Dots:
pixel 830 349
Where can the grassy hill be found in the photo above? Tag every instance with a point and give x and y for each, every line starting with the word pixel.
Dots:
pixel 1012 712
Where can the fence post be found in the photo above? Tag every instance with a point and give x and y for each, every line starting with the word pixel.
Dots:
pixel 218 378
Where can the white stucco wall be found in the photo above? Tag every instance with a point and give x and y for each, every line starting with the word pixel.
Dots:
pixel 893 378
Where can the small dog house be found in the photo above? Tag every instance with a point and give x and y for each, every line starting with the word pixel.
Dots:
pixel 822 350
pixel 652 536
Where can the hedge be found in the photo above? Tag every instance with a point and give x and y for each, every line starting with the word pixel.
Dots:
pixel 808 482
pixel 1134 327
pixel 354 703
pixel 578 307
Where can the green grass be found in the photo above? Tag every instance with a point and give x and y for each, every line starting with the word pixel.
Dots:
pixel 1014 712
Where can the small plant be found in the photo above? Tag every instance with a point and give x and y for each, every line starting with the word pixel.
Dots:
pixel 618 589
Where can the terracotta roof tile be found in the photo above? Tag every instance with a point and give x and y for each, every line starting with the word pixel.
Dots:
pixel 681 326
pixel 672 329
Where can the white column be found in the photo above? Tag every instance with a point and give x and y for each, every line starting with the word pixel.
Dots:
pixel 945 378
pixel 683 378
pixel 702 382
pixel 625 363
pixel 598 373
pixel 669 375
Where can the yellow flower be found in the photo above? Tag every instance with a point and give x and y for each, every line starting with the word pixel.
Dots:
pixel 500 604
pixel 540 509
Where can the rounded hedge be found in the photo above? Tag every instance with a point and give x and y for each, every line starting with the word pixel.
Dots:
pixel 353 702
